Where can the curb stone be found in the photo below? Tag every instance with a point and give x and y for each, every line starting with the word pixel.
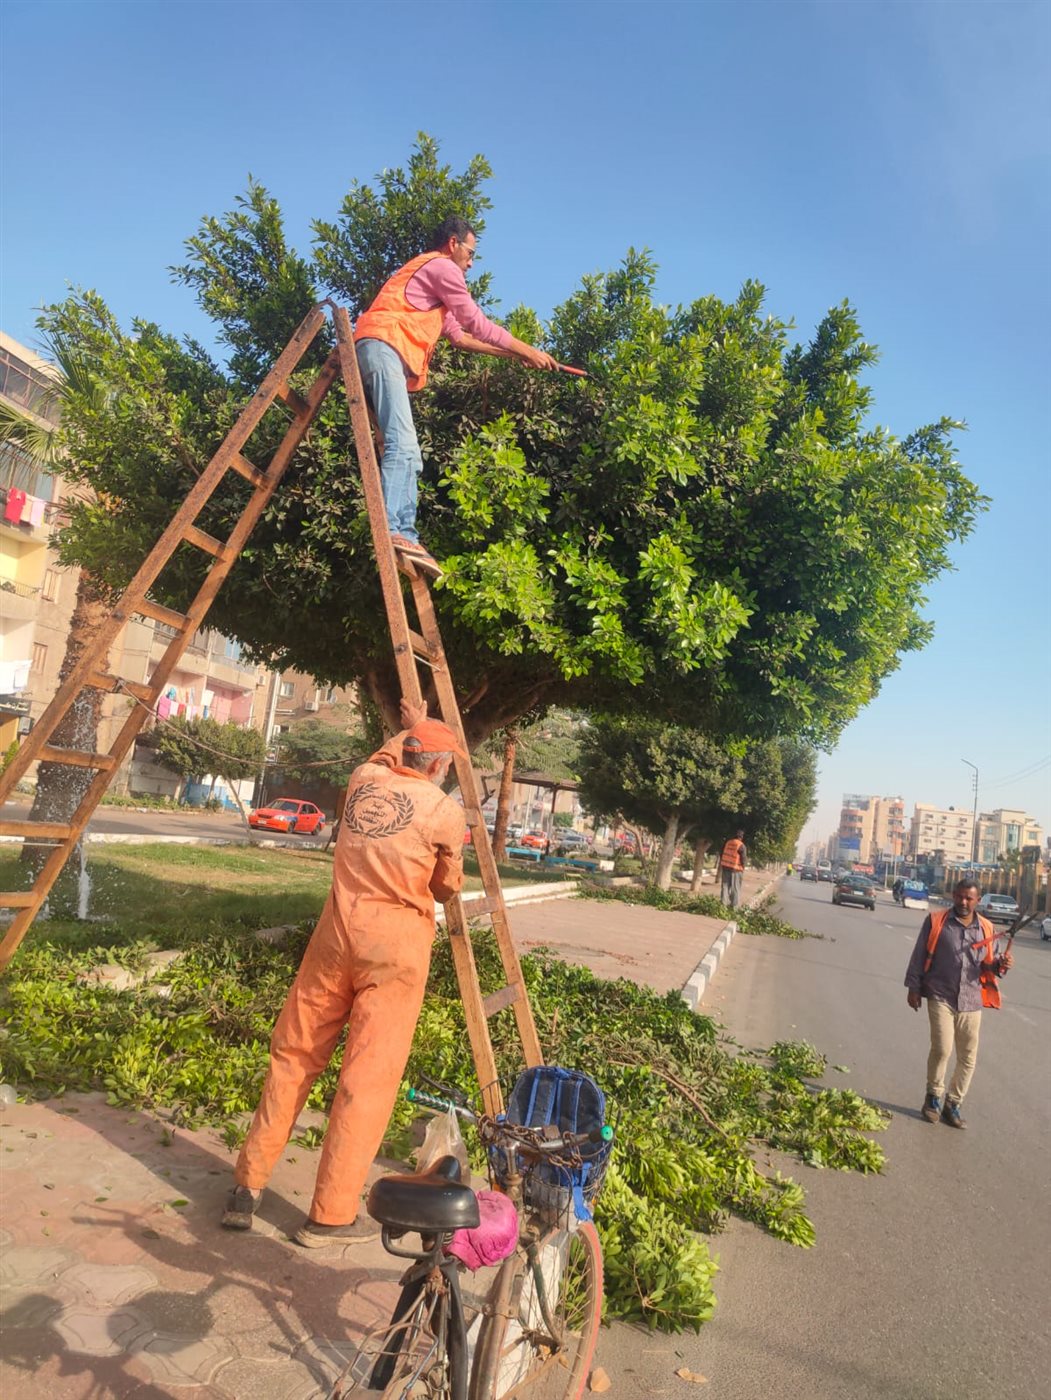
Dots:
pixel 700 978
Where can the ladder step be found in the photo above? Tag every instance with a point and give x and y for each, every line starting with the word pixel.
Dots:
pixel 488 904
pixel 101 681
pixel 243 467
pixel 211 546
pixel 47 831
pixel 77 758
pixel 159 613
pixel 497 1001
pixel 16 899
pixel 294 401
pixel 422 647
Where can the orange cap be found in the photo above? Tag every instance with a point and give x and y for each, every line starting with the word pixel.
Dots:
pixel 434 736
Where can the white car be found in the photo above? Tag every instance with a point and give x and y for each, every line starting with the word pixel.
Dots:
pixel 998 908
pixel 1045 929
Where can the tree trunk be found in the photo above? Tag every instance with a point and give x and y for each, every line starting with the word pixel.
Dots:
pixel 503 801
pixel 700 850
pixel 59 786
pixel 666 864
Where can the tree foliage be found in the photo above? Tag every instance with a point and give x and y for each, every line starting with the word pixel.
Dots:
pixel 196 747
pixel 314 752
pixel 708 527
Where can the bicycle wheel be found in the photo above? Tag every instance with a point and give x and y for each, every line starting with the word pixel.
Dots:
pixel 516 1354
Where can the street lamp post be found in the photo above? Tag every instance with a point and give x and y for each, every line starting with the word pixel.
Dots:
pixel 974 819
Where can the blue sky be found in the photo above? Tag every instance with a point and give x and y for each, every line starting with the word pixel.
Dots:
pixel 894 154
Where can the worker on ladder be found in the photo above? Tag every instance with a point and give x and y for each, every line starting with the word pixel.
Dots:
pixel 395 338
pixel 400 847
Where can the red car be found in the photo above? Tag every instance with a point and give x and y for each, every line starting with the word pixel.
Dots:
pixel 536 840
pixel 290 815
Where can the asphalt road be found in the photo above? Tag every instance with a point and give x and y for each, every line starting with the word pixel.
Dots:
pixel 127 821
pixel 931 1280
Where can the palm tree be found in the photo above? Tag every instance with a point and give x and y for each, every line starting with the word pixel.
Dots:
pixel 61 787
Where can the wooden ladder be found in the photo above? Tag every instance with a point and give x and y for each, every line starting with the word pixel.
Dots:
pixel 409 646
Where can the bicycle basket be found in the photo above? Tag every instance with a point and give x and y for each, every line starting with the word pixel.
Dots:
pixel 574 1103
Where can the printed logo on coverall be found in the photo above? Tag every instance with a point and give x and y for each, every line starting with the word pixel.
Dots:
pixel 376 811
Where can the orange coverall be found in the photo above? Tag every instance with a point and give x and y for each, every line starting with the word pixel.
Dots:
pixel 400 847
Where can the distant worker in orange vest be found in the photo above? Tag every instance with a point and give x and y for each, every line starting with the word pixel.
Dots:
pixel 423 301
pixel 731 869
pixel 955 964
pixel 400 847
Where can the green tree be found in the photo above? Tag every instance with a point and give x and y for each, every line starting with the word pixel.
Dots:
pixel 318 752
pixel 198 747
pixel 708 527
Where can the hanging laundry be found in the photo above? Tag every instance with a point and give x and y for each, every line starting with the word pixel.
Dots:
pixel 15 505
pixel 33 514
pixel 241 709
pixel 164 707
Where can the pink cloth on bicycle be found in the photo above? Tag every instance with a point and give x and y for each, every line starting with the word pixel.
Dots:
pixel 493 1238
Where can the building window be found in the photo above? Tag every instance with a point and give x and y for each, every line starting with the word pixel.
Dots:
pixel 39 655
pixel 49 588
pixel 287 690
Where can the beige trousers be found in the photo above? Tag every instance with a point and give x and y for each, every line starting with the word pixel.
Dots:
pixel 949 1028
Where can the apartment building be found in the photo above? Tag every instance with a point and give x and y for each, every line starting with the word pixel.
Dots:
pixel 945 829
pixel 870 828
pixel 1005 831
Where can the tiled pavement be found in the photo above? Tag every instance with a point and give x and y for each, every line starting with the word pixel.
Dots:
pixel 116 1278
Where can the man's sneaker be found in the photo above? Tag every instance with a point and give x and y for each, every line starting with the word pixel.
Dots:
pixel 951 1114
pixel 240 1206
pixel 932 1108
pixel 359 1231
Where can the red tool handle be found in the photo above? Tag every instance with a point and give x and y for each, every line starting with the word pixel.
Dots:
pixel 568 369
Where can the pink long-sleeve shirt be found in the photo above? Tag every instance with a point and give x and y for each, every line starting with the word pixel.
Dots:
pixel 441 283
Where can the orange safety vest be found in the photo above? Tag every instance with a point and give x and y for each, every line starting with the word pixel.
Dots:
pixel 731 856
pixel 986 975
pixel 413 333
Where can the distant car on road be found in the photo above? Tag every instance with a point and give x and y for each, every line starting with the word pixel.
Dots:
pixel 826 877
pixel 535 840
pixel 1045 929
pixel 998 908
pixel 808 873
pixel 290 815
pixel 854 889
pixel 569 837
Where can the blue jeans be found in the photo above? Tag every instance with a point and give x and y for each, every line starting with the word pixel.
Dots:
pixel 383 375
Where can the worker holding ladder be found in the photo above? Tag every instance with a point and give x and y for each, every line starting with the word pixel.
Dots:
pixel 395 338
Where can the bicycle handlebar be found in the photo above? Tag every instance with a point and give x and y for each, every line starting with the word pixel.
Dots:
pixel 541 1145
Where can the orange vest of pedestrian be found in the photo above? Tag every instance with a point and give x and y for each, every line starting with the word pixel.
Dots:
pixel 413 333
pixel 731 856
pixel 986 973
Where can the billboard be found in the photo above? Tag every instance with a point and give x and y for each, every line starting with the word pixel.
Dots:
pixel 850 845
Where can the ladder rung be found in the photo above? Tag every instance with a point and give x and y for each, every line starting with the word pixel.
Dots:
pixel 101 681
pixel 17 899
pixel 211 546
pixel 295 401
pixel 488 904
pixel 77 758
pixel 496 1001
pixel 243 467
pixel 422 647
pixel 160 613
pixel 47 831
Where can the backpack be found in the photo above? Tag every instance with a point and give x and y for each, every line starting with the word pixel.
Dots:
pixel 574 1103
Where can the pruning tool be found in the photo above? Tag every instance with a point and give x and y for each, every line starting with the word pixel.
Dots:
pixel 1016 927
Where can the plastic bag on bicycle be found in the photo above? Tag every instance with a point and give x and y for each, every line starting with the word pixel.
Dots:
pixel 443 1139
pixel 574 1103
pixel 493 1238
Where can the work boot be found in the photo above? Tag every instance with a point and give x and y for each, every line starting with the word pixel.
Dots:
pixel 315 1236
pixel 932 1108
pixel 951 1114
pixel 240 1206
pixel 417 554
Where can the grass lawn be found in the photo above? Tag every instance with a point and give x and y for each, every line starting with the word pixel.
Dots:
pixel 166 896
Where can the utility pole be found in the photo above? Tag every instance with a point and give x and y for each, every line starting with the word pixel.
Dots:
pixel 974 822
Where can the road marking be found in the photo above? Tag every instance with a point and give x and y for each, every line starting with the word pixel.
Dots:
pixel 1022 1015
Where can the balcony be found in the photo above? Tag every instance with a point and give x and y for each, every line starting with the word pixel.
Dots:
pixel 18 601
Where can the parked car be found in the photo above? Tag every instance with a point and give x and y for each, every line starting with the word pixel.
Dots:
pixel 808 872
pixel 854 889
pixel 569 837
pixel 535 840
pixel 998 908
pixel 290 815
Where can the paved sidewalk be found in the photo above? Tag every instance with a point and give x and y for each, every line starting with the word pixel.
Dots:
pixel 116 1278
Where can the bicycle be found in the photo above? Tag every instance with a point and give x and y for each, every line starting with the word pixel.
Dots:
pixel 535 1334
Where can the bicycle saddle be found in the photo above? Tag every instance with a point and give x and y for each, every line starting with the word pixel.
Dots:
pixel 431 1201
